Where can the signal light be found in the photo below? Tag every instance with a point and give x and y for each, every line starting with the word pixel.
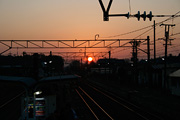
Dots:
pixel 144 15
pixel 150 15
pixel 138 15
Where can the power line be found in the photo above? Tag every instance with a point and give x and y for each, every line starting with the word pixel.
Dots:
pixel 175 34
pixel 128 32
pixel 143 33
pixel 172 17
pixel 157 24
pixel 121 50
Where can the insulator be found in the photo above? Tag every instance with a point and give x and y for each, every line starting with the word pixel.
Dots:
pixel 138 15
pixel 144 15
pixel 150 15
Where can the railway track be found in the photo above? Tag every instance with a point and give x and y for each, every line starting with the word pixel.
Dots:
pixel 11 99
pixel 106 105
pixel 97 111
pixel 97 104
pixel 10 104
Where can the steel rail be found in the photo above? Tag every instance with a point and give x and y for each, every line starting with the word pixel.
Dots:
pixel 125 106
pixel 11 100
pixel 95 103
pixel 87 104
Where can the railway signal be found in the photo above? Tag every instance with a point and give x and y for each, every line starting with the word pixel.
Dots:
pixel 106 14
pixel 144 16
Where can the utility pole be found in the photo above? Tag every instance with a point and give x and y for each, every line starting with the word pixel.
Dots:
pixel 109 61
pixel 148 48
pixel 149 64
pixel 166 83
pixel 135 43
pixel 154 41
pixel 86 59
pixel 136 60
pixel 109 55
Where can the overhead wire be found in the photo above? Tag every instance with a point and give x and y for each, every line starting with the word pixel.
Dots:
pixel 157 24
pixel 175 34
pixel 128 32
pixel 172 17
pixel 143 33
pixel 161 50
pixel 160 23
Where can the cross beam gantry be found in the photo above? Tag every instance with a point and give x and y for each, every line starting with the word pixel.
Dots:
pixel 38 44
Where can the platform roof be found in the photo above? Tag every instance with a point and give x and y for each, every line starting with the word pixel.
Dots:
pixel 21 80
pixel 30 82
pixel 175 74
pixel 59 78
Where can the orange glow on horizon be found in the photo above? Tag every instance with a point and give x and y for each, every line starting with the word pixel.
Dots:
pixel 90 59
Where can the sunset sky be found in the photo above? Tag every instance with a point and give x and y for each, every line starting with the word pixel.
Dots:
pixel 83 19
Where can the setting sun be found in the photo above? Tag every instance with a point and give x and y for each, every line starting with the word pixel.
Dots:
pixel 90 59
